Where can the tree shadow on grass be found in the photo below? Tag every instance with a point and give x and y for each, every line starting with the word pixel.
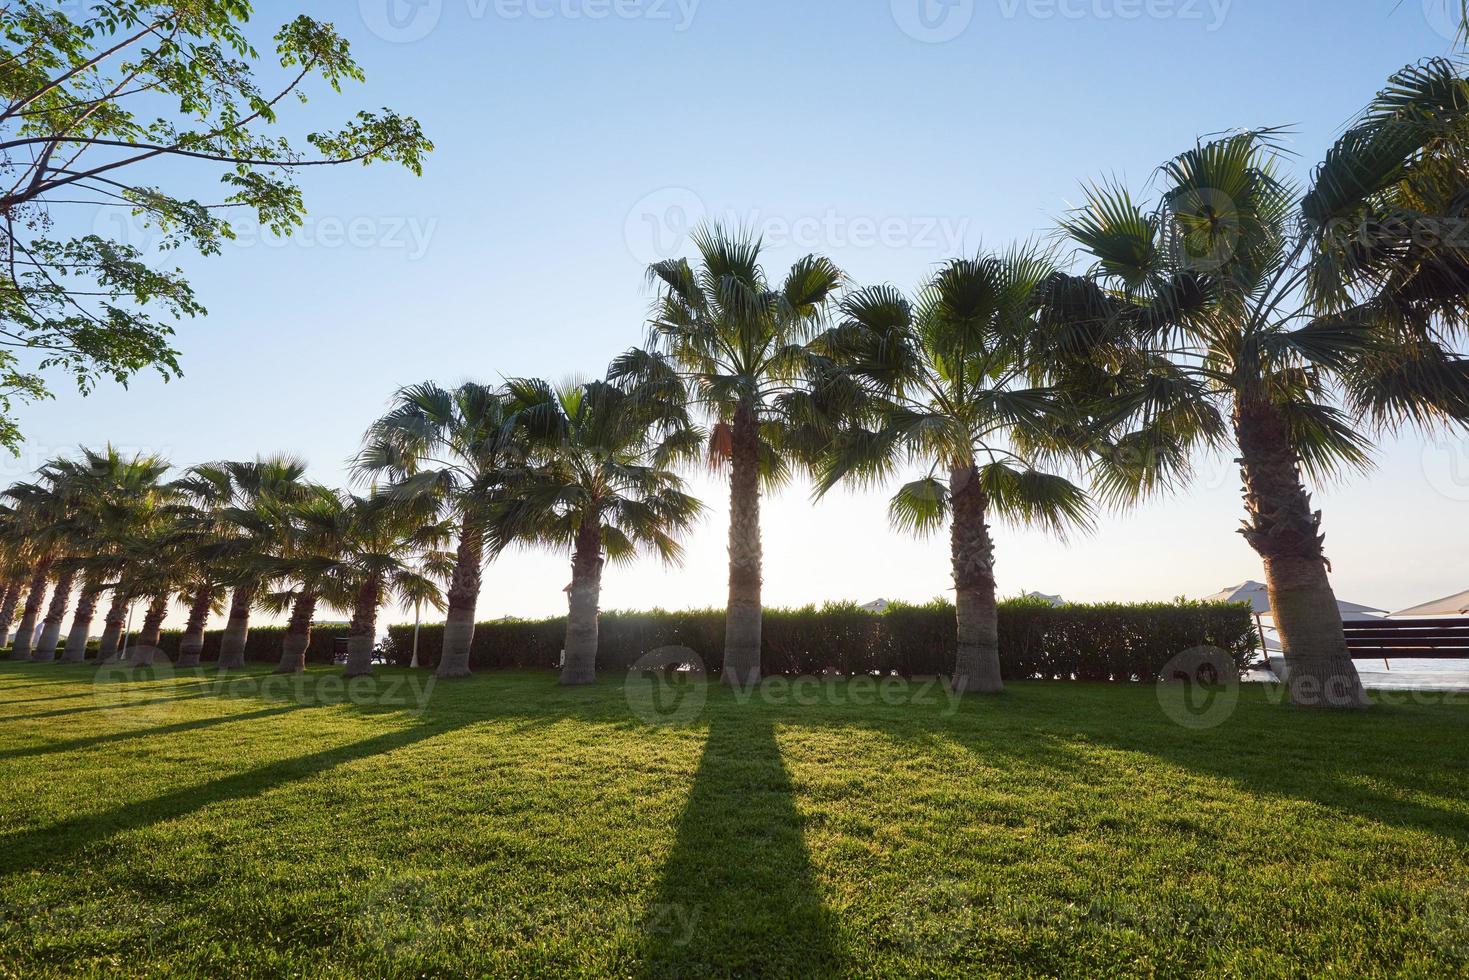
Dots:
pixel 58 697
pixel 105 706
pixel 738 895
pixel 114 737
pixel 58 843
pixel 1335 774
pixel 43 675
pixel 1274 750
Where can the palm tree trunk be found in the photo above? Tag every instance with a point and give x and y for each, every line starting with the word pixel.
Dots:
pixel 45 651
pixel 1286 533
pixel 14 589
pixel 25 633
pixel 237 630
pixel 977 667
pixel 743 615
pixel 298 634
pixel 191 644
pixel 579 665
pixel 146 649
pixel 112 626
pixel 463 598
pixel 364 630
pixel 81 623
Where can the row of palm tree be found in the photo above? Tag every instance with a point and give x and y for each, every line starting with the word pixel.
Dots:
pixel 585 467
pixel 254 532
pixel 1293 323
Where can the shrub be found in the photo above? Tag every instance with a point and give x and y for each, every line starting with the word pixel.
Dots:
pixel 263 644
pixel 1105 642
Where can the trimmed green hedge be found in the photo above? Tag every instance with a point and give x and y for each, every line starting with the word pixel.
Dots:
pixel 1110 642
pixel 262 646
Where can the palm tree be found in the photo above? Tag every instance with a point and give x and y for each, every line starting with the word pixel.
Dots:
pixel 313 534
pixel 15 567
pixel 113 494
pixel 203 495
pixel 737 341
pixel 43 510
pixel 951 384
pixel 456 447
pixel 390 552
pixel 156 571
pixel 247 518
pixel 602 487
pixel 1295 321
pixel 114 621
pixel 14 592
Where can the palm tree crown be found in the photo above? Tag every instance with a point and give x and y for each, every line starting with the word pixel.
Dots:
pixel 456 447
pixel 952 384
pixel 738 341
pixel 601 486
pixel 1295 319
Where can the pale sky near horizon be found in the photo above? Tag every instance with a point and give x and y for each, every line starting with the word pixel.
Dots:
pixel 579 139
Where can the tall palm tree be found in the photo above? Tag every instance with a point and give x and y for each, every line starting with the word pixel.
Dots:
pixel 247 518
pixel 1296 321
pixel 114 494
pixel 15 567
pixel 950 383
pixel 391 552
pixel 456 447
pixel 44 510
pixel 312 538
pixel 203 496
pixel 602 487
pixel 737 340
pixel 156 570
pixel 14 592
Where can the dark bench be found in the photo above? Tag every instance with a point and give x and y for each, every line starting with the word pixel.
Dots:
pixel 1420 639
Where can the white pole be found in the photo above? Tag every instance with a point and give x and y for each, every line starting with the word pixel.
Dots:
pixel 126 631
pixel 417 608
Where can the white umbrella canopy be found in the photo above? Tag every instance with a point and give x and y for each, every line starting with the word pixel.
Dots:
pixel 1454 605
pixel 1258 597
pixel 1053 600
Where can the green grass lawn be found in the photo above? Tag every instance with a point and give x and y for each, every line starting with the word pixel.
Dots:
pixel 165 826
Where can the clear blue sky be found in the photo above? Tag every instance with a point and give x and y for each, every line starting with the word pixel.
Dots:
pixel 577 139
